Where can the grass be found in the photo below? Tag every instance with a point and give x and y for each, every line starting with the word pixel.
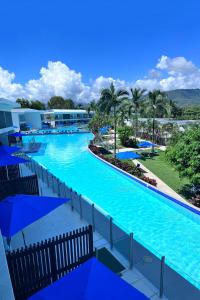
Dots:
pixel 161 168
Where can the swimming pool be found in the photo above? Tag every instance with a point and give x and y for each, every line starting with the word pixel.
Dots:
pixel 158 223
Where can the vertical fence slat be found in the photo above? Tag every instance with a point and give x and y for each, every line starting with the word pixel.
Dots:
pixel 34 267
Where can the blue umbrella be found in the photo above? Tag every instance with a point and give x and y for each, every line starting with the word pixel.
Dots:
pixel 128 155
pixel 103 130
pixel 145 144
pixel 8 160
pixel 6 150
pixel 16 134
pixel 19 211
pixel 92 280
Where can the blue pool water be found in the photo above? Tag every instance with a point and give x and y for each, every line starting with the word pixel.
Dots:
pixel 161 225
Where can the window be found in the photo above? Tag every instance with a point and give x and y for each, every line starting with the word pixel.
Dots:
pixel 66 116
pixel 2 120
pixel 5 119
pixel 21 118
pixel 8 119
pixel 58 117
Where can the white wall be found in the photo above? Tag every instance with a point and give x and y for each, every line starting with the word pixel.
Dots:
pixel 34 119
pixel 15 118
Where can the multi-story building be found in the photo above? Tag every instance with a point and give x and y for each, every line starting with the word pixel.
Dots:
pixel 26 118
pixel 6 122
pixel 64 117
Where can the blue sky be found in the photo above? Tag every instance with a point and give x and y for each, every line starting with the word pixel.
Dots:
pixel 118 39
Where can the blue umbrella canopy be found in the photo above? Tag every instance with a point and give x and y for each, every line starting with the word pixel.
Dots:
pixel 16 134
pixel 17 212
pixel 8 160
pixel 146 144
pixel 128 155
pixel 6 150
pixel 92 280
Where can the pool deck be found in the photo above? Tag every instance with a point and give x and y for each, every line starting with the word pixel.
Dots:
pixel 63 219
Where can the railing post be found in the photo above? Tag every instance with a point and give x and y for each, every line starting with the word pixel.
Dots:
pixel 91 246
pixel 65 191
pixel 71 198
pixel 47 178
pixel 162 264
pixel 93 220
pixel 42 175
pixel 111 233
pixel 131 251
pixel 58 184
pixel 81 209
pixel 52 183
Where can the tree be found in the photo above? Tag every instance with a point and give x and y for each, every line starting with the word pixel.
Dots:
pixel 172 110
pixel 56 102
pixel 92 106
pixel 99 120
pixel 136 97
pixel 34 104
pixel 184 154
pixel 123 113
pixel 110 100
pixel 23 102
pixel 69 104
pixel 154 105
pixel 80 106
pixel 37 105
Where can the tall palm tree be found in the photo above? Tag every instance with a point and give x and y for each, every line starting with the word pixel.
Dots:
pixel 92 106
pixel 155 103
pixel 123 113
pixel 110 100
pixel 136 97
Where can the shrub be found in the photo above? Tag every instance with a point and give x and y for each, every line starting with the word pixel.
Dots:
pixel 122 165
pixel 125 137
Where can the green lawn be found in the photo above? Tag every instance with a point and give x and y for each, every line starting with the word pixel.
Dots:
pixel 160 167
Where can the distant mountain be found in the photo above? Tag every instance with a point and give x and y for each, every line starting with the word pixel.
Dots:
pixel 185 97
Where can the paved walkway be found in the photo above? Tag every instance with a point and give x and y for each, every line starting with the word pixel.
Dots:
pixel 161 185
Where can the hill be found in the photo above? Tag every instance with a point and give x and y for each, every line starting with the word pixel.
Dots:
pixel 185 97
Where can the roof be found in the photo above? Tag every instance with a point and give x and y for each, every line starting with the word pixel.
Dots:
pixel 7 104
pixel 23 110
pixel 68 111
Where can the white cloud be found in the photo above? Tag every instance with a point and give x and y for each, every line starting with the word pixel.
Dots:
pixel 173 73
pixel 176 65
pixel 8 89
pixel 58 79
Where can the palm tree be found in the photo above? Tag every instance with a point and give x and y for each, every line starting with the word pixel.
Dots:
pixel 155 103
pixel 92 106
pixel 123 113
pixel 136 97
pixel 110 100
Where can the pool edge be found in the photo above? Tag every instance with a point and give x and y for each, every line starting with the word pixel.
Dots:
pixel 149 186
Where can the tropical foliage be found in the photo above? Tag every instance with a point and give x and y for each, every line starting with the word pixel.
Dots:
pixel 184 154
pixel 110 100
pixel 31 104
pixel 134 106
pixel 125 135
pixel 58 102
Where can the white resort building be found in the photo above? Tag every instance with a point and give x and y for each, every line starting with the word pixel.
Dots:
pixel 26 118
pixel 6 123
